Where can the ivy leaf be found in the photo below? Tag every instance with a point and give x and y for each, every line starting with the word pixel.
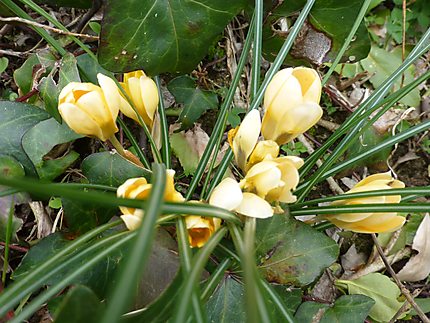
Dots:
pixel 195 101
pixel 161 36
pixel 381 289
pixel 290 251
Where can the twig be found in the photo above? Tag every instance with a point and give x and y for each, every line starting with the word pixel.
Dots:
pixel 331 126
pixel 403 289
pixel 405 307
pixel 13 53
pixel 15 247
pixel 36 24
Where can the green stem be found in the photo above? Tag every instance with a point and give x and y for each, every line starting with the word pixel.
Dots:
pixel 165 146
pixel 256 63
pixel 7 241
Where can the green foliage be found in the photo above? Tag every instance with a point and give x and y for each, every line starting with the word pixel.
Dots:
pixel 15 120
pixel 290 251
pixel 4 62
pixel 195 101
pixel 347 308
pixel 294 148
pixel 162 36
pixel 110 169
pixel 381 289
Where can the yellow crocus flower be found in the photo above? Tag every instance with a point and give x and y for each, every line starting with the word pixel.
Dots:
pixel 370 222
pixel 91 110
pixel 143 91
pixel 291 104
pixel 139 188
pixel 200 229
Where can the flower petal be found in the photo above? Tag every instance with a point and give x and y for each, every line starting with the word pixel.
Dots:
pixel 133 221
pixel 254 206
pixel 150 97
pixel 377 223
pixel 226 194
pixel 310 82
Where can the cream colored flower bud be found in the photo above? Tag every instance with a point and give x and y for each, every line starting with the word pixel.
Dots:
pixel 200 229
pixel 266 149
pixel 274 180
pixel 228 195
pixel 91 110
pixel 143 91
pixel 138 188
pixel 370 222
pixel 291 104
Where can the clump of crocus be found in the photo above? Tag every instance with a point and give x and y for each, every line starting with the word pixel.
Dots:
pixel 139 188
pixel 370 222
pixel 291 104
pixel 91 110
pixel 143 92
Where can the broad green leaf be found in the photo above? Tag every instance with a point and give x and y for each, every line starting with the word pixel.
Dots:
pixel 290 251
pixel 15 120
pixel 4 62
pixel 161 36
pixel 23 76
pixel 80 304
pixel 99 278
pixel 49 92
pixel 90 68
pixel 82 217
pixel 68 71
pixel 227 302
pixel 381 289
pixel 292 298
pixel 10 167
pixel 347 308
pixel 381 64
pixel 195 101
pixel 321 40
pixel 111 169
pixel 39 142
pixel 188 157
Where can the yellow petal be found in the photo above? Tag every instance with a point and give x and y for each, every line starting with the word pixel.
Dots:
pixel 136 74
pixel 80 121
pixel 297 120
pixel 133 221
pixel 246 138
pixel 254 206
pixel 149 97
pixel 310 82
pixel 226 194
pixel 264 149
pixel 377 223
pixel 199 230
pixel 263 177
pixel 375 177
pixel 170 193
pixel 111 94
pixel 136 95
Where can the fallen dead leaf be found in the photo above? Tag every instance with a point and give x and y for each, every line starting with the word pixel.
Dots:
pixel 418 267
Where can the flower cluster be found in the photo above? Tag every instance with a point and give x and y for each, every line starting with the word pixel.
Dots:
pixel 291 106
pixel 91 110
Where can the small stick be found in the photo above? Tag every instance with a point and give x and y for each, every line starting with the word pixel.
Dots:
pixel 36 24
pixel 403 289
pixel 15 247
pixel 405 307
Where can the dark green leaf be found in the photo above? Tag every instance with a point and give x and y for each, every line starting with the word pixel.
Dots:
pixel 99 278
pixel 111 169
pixel 292 297
pixel 81 217
pixel 23 76
pixel 4 62
pixel 310 312
pixel 49 92
pixel 195 101
pixel 80 304
pixel 227 302
pixel 161 36
pixel 15 120
pixel 290 251
pixel 68 71
pixel 41 139
pixel 89 68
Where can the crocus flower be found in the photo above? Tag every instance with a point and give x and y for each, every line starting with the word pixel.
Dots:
pixel 91 110
pixel 244 142
pixel 143 91
pixel 200 229
pixel 274 180
pixel 139 188
pixel 291 104
pixel 229 195
pixel 370 222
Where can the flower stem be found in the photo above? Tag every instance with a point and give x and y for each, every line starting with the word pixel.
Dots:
pixel 124 153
